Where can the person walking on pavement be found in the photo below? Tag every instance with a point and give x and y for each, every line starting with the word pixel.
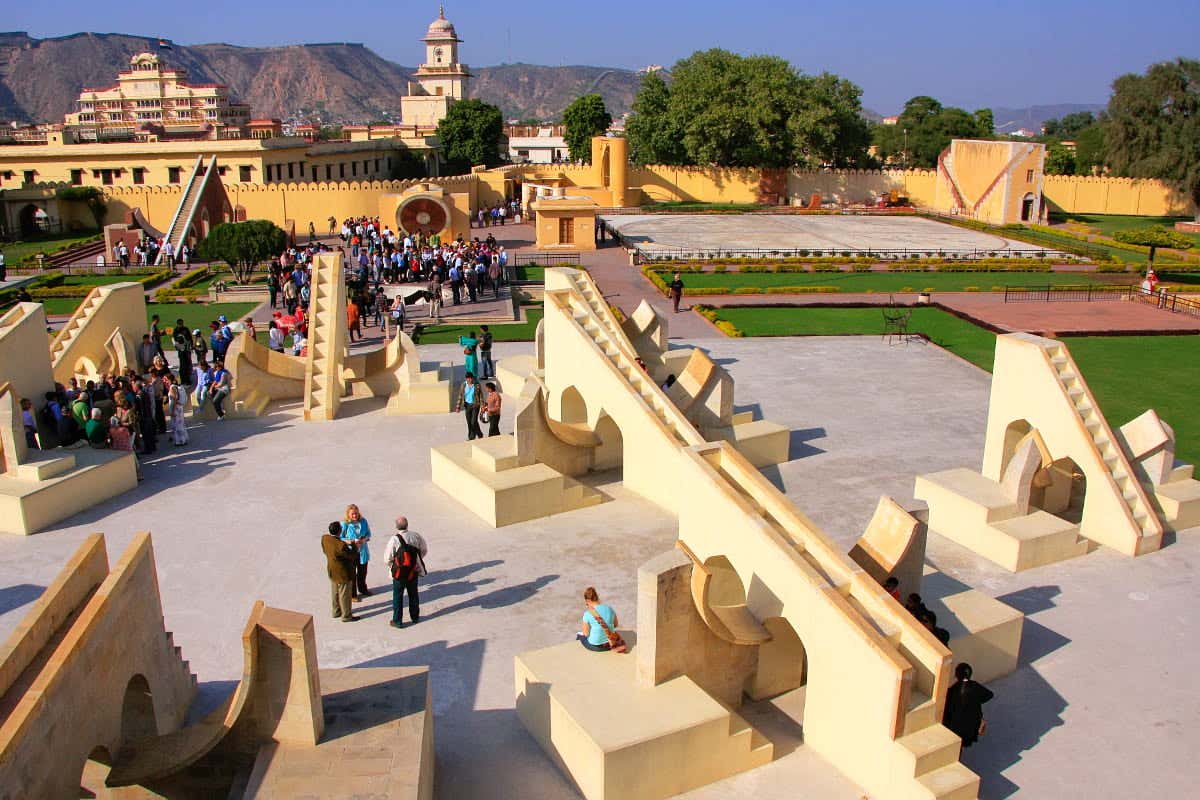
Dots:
pixel 340 562
pixel 406 559
pixel 676 287
pixel 470 397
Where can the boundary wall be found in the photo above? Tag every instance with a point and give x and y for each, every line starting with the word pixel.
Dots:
pixel 315 202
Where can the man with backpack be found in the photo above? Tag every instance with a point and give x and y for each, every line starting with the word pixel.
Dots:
pixel 405 558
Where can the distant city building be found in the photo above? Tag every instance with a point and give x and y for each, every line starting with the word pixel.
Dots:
pixel 889 120
pixel 532 144
pixel 151 97
pixel 1024 133
pixel 439 81
pixel 651 68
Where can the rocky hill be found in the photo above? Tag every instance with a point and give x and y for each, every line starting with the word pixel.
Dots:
pixel 336 82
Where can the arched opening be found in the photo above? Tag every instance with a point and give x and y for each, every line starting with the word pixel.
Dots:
pixel 1060 489
pixel 1013 434
pixel 610 453
pixel 86 367
pixel 137 711
pixel 571 407
pixel 1027 204
pixel 604 167
pixel 95 773
pixel 27 219
pixel 782 662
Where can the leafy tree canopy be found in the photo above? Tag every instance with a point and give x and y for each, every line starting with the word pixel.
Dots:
pixel 243 245
pixel 95 200
pixel 653 139
pixel 1069 126
pixel 1059 160
pixel 930 126
pixel 1152 126
pixel 746 111
pixel 584 118
pixel 470 135
pixel 1154 238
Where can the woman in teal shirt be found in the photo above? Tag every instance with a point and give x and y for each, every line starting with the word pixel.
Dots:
pixel 470 352
pixel 357 532
pixel 593 636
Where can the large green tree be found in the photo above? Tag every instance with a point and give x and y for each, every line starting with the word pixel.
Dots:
pixel 828 128
pixel 1089 149
pixel 728 110
pixel 1069 126
pixel 584 118
pixel 470 135
pixel 243 245
pixel 1152 126
pixel 924 129
pixel 1154 238
pixel 1059 160
pixel 653 138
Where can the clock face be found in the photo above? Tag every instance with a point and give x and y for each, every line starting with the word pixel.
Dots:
pixel 437 54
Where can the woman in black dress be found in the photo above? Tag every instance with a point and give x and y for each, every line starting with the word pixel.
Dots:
pixel 964 706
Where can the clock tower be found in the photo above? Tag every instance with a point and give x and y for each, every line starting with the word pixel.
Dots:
pixel 440 80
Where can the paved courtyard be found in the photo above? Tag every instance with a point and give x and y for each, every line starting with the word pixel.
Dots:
pixel 1104 704
pixel 664 233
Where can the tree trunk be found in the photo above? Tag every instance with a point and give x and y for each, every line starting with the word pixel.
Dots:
pixel 1151 259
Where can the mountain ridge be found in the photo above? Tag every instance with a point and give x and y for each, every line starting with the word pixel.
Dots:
pixel 334 82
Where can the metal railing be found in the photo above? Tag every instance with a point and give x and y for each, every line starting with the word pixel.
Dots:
pixel 1176 303
pixel 1167 301
pixel 544 259
pixel 651 255
pixel 1084 293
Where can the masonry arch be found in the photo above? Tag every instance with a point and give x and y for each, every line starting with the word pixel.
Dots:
pixel 571 407
pixel 782 662
pixel 1028 205
pixel 137 711
pixel 1061 490
pixel 27 219
pixel 95 772
pixel 1014 434
pixel 610 453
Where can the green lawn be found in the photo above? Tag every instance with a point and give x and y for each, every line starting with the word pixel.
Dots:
pixel 16 252
pixel 512 332
pixel 960 337
pixel 1109 224
pixel 891 281
pixel 531 274
pixel 1129 374
pixel 195 315
pixel 96 280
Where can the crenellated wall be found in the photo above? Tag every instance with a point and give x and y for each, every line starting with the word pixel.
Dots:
pixel 299 202
pixel 1085 194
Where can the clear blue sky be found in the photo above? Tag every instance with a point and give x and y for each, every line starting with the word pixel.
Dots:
pixel 972 54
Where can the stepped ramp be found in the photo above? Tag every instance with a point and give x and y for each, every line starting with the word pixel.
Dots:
pixel 324 385
pixel 1037 383
pixel 84 347
pixel 189 202
pixel 76 666
pixel 877 680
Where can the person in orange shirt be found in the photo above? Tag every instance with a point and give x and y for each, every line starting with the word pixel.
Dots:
pixel 352 319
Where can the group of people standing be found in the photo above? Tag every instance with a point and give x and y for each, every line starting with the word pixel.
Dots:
pixel 346 545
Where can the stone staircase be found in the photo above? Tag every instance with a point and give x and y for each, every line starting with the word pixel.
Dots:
pixel 177 232
pixel 62 341
pixel 323 383
pixel 1120 471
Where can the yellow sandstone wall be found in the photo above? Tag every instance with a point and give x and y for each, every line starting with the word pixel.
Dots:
pixel 1079 194
pixel 300 202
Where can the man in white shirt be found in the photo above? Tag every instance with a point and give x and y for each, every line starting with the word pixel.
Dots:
pixel 413 540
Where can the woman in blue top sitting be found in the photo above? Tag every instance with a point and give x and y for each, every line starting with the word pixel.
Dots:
pixel 593 636
pixel 357 532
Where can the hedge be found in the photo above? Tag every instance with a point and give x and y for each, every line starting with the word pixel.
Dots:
pixel 55 290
